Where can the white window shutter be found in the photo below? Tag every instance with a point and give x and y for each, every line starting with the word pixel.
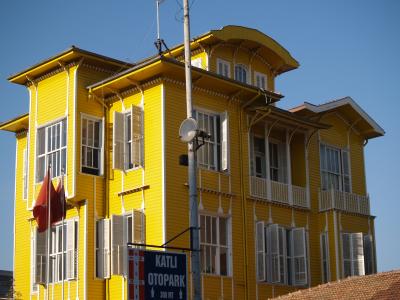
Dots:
pixel 138 227
pixel 40 257
pixel 273 244
pixel 299 256
pixel 137 135
pixel 260 249
pixel 71 251
pixel 117 244
pixel 282 254
pixel 224 141
pixel 106 245
pixel 100 248
pixel 357 253
pixel 118 141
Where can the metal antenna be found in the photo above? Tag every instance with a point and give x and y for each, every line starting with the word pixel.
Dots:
pixel 159 42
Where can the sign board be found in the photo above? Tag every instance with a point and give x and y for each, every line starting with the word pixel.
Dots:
pixel 156 275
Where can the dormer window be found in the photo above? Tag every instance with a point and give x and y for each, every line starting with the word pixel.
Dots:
pixel 260 80
pixel 223 68
pixel 241 73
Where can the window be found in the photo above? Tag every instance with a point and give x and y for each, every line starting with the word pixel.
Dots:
pixel 128 139
pixel 259 157
pixel 335 168
pixel 51 149
pixel 281 254
pixel 25 175
pixel 197 62
pixel 260 80
pixel 277 160
pixel 91 145
pixel 241 73
pixel 63 253
pixel 325 257
pixel 353 254
pixel 103 248
pixel 214 232
pixel 214 154
pixel 128 228
pixel 223 68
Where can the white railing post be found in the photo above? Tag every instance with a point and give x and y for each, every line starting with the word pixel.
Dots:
pixel 333 204
pixel 267 171
pixel 307 171
pixel 289 169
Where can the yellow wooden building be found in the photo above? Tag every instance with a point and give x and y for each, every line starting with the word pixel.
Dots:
pixel 282 194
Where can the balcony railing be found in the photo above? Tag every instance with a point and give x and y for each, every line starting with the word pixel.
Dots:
pixel 334 199
pixel 279 192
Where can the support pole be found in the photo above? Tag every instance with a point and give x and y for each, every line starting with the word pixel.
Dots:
pixel 195 255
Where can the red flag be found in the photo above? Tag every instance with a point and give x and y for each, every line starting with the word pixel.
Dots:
pixel 41 208
pixel 58 211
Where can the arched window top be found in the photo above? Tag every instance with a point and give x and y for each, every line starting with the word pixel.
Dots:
pixel 241 73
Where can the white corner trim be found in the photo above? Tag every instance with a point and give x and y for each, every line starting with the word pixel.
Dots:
pixel 163 169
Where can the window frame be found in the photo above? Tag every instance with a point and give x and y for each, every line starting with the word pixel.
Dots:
pixel 217 245
pixel 197 62
pixel 259 75
pixel 284 258
pixel 224 64
pixel 100 148
pixel 217 146
pixel 325 172
pixel 325 261
pixel 47 153
pixel 244 68
pixel 352 260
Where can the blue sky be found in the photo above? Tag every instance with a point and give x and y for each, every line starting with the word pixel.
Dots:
pixel 345 48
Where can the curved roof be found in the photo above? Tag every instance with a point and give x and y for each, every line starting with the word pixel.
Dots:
pixel 254 40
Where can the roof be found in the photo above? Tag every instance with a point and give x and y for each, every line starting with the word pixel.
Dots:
pixel 162 66
pixel 348 109
pixel 71 54
pixel 248 38
pixel 383 286
pixel 16 124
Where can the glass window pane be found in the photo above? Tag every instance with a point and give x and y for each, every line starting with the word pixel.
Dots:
pixel 214 230
pixel 90 133
pixel 97 134
pixel 64 133
pixel 222 231
pixel 84 132
pixel 208 229
pixel 41 140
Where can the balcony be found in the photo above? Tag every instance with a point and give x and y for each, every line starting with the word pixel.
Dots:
pixel 270 190
pixel 348 202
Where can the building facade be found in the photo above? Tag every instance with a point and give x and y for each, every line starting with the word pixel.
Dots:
pixel 282 194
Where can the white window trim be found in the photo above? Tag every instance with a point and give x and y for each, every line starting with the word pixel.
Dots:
pixel 286 257
pixel 259 74
pixel 197 62
pixel 328 271
pixel 341 174
pixel 44 125
pixel 224 63
pixel 248 75
pixel 101 142
pixel 229 264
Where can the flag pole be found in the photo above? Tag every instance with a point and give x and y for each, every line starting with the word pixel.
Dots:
pixel 62 233
pixel 48 231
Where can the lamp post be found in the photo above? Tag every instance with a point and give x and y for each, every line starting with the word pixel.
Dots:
pixel 192 147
